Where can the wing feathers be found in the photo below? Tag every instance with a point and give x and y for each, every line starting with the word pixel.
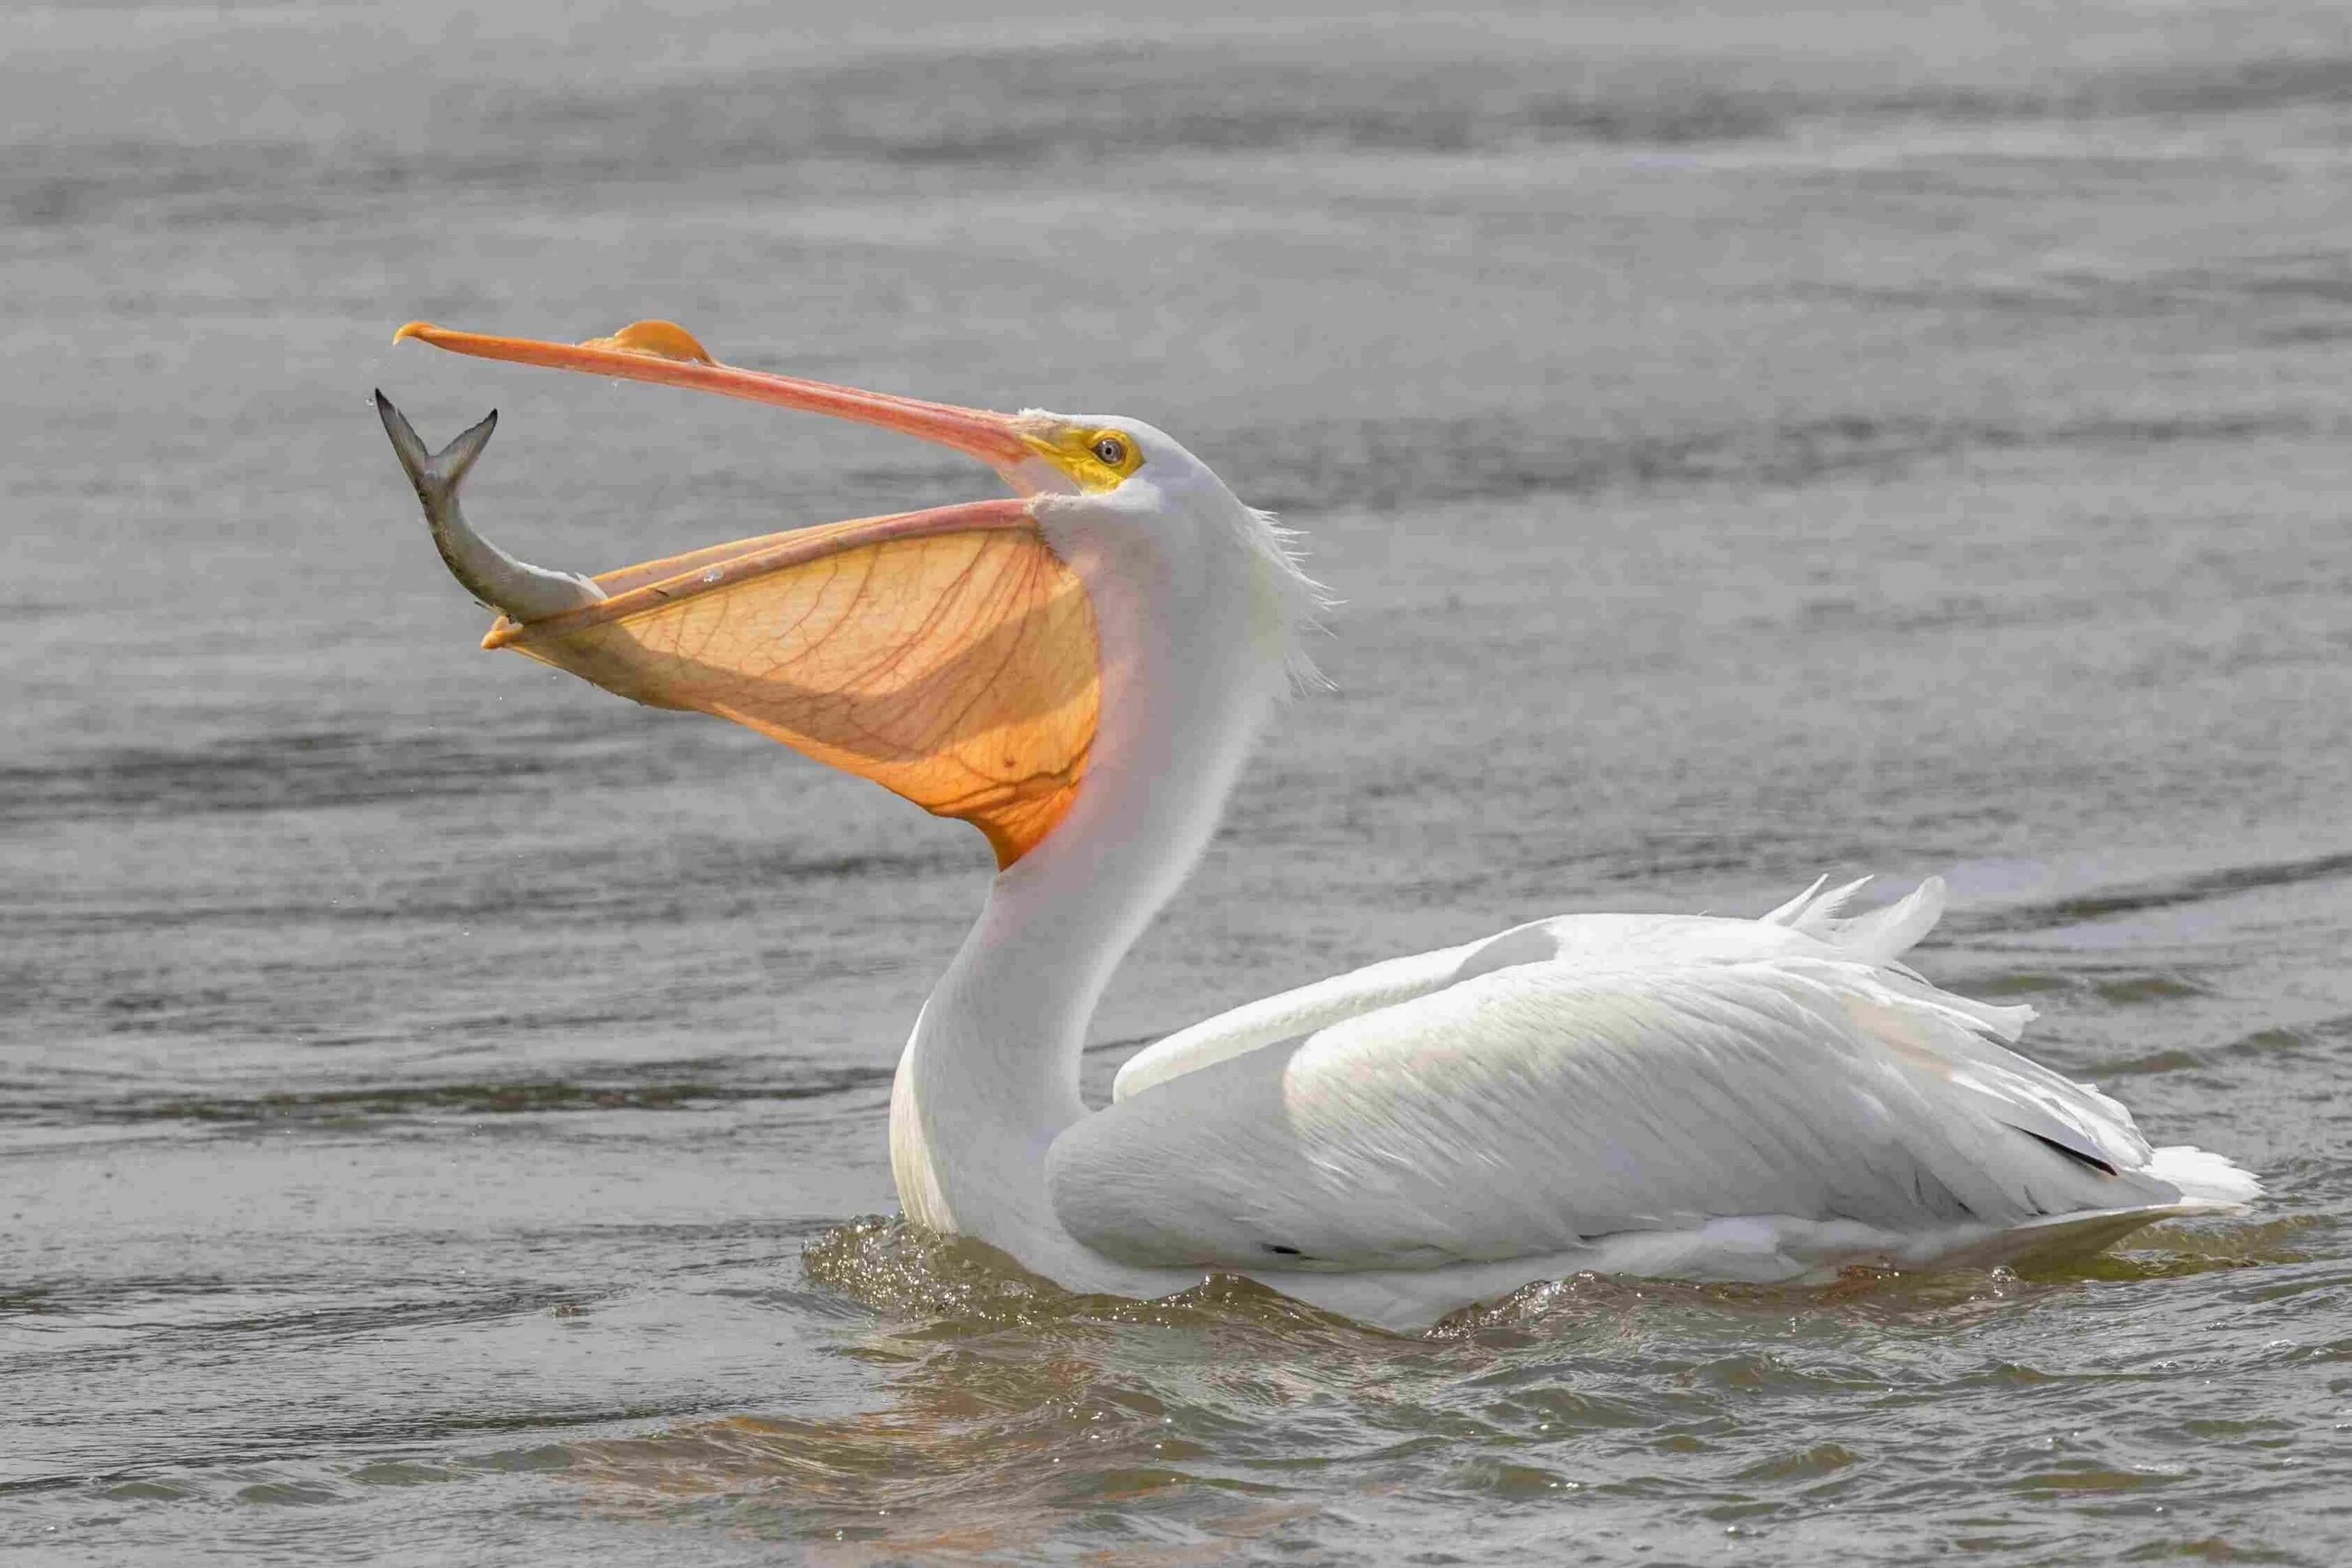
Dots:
pixel 1880 936
pixel 1807 924
pixel 1537 1107
pixel 1615 1088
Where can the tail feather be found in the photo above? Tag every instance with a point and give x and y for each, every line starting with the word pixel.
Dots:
pixel 2204 1178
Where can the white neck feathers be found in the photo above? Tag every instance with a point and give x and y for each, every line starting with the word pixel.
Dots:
pixel 1195 645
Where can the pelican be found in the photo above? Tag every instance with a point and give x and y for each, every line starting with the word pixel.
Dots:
pixel 1078 670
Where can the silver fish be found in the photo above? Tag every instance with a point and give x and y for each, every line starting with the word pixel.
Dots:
pixel 525 592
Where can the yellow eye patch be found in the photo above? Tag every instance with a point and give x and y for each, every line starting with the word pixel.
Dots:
pixel 1097 458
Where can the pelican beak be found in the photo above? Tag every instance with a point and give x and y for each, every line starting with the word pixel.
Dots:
pixel 949 655
pixel 666 354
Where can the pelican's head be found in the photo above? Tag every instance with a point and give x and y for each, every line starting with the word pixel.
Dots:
pixel 951 654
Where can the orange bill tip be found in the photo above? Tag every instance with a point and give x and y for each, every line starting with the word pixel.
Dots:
pixel 653 339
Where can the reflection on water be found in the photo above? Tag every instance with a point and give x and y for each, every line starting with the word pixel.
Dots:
pixel 1013 1411
pixel 1016 1411
pixel 1749 443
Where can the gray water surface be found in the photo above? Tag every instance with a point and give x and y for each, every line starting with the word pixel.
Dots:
pixel 437 1099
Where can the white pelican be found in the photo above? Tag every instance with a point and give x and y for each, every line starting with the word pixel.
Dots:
pixel 1078 670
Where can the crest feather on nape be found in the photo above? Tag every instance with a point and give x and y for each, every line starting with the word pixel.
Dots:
pixel 1304 602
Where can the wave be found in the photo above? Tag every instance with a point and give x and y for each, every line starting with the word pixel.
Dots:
pixel 1086 107
pixel 656 1087
pixel 1385 464
pixel 2196 888
pixel 262 772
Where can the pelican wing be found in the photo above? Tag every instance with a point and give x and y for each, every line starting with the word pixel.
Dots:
pixel 1806 926
pixel 1533 1109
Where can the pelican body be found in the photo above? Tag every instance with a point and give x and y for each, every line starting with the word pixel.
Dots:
pixel 1079 670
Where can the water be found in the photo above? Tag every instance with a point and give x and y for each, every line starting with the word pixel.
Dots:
pixel 437 1098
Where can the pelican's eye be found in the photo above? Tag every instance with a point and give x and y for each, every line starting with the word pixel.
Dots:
pixel 1097 458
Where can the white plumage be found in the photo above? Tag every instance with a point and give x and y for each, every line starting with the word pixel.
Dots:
pixel 1708 1098
pixel 1603 1088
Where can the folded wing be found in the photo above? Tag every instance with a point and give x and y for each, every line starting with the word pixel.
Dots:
pixel 1532 1108
pixel 1806 926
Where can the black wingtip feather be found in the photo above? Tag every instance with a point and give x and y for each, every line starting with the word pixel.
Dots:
pixel 2091 1161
